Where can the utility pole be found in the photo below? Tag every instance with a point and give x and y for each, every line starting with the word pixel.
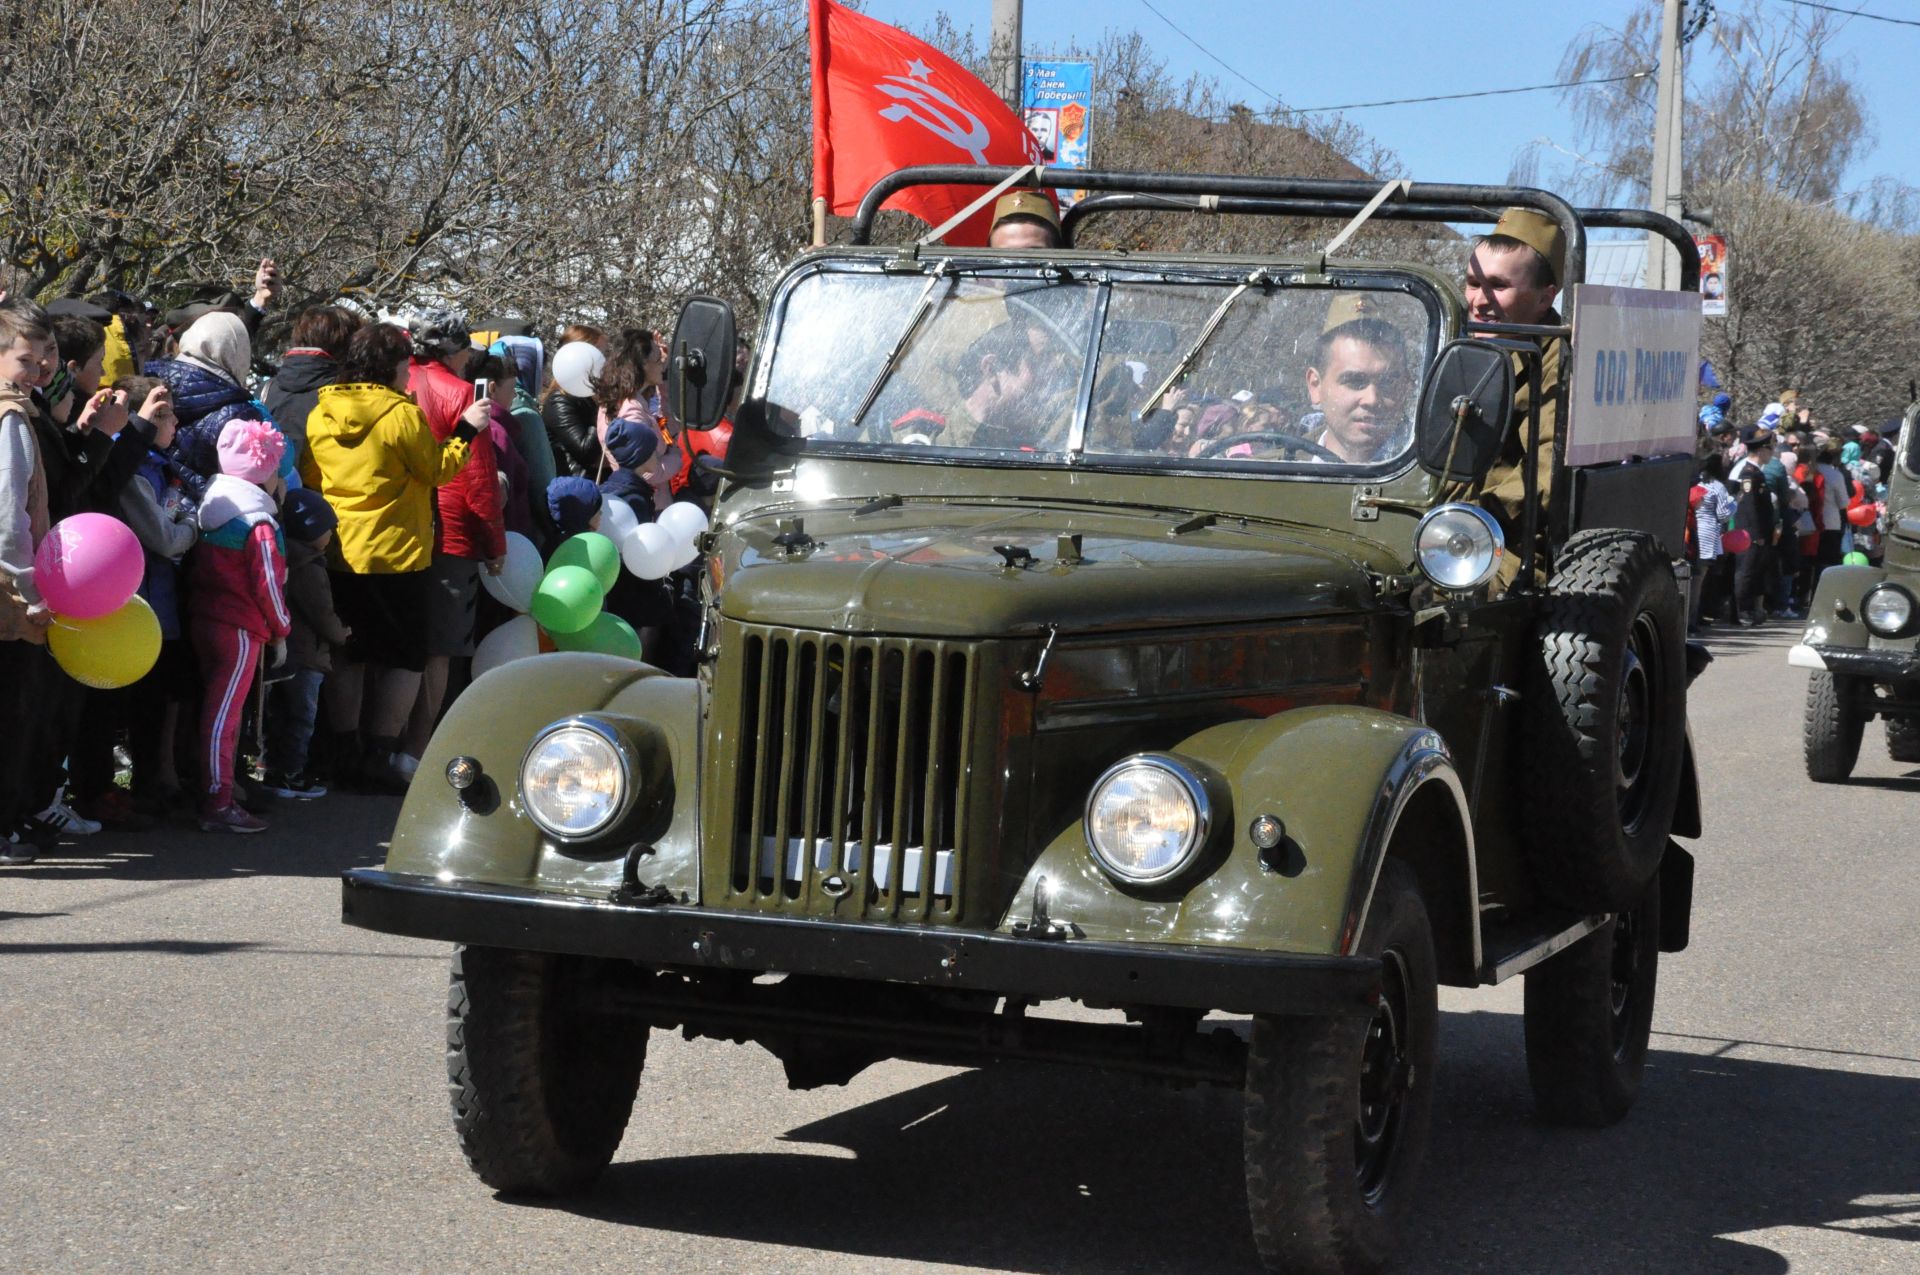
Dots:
pixel 1003 52
pixel 1663 260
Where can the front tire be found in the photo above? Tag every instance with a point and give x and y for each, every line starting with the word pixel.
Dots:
pixel 541 1090
pixel 1338 1109
pixel 1833 728
pixel 1903 738
pixel 1588 1015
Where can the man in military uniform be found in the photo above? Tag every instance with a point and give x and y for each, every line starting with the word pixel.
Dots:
pixel 1024 220
pixel 1357 383
pixel 1514 276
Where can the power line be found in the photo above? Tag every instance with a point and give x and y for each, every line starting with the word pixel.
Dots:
pixel 1454 97
pixel 1398 101
pixel 1270 96
pixel 1853 13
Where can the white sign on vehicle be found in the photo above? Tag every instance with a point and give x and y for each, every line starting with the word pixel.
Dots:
pixel 1636 373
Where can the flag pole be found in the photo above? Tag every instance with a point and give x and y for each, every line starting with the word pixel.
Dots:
pixel 819 221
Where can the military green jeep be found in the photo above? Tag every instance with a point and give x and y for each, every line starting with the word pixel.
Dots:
pixel 1094 626
pixel 1863 637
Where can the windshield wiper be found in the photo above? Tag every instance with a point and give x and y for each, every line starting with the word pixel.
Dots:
pixel 921 308
pixel 1259 277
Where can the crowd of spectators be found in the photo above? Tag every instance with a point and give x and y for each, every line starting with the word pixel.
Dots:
pixel 1777 502
pixel 315 536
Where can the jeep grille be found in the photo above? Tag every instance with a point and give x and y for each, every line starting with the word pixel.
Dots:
pixel 851 773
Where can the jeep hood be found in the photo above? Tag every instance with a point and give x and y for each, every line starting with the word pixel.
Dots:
pixel 936 570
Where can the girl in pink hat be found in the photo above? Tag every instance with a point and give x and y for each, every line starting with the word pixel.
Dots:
pixel 239 604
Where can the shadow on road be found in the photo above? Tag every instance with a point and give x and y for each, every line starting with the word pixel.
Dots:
pixel 1043 1169
pixel 303 838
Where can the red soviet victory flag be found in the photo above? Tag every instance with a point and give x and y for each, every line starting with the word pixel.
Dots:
pixel 883 100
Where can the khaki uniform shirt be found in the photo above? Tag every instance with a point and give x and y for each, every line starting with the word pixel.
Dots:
pixel 1502 492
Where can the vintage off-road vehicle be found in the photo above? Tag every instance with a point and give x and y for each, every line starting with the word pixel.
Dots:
pixel 1863 637
pixel 1068 638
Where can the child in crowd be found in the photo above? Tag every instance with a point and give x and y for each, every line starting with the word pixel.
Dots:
pixel 574 505
pixel 156 506
pixel 634 448
pixel 239 604
pixel 26 360
pixel 294 701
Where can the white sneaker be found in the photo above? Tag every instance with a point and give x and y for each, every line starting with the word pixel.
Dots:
pixel 15 852
pixel 61 818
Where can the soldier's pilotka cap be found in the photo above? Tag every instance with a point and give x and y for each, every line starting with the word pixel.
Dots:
pixel 1540 233
pixel 1026 203
pixel 1349 306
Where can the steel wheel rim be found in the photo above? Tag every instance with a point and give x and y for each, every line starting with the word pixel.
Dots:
pixel 1386 1074
pixel 1634 721
pixel 1622 974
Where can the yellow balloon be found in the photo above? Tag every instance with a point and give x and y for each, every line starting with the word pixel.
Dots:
pixel 111 651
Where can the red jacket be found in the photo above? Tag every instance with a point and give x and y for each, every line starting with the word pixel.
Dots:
pixel 238 571
pixel 472 520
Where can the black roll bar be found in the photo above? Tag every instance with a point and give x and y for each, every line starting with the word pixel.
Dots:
pixel 1328 194
pixel 1595 218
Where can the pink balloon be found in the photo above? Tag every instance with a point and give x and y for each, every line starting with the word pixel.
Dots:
pixel 88 566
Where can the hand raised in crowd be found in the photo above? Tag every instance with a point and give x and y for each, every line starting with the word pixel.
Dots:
pixel 473 420
pixel 266 283
pixel 106 411
pixel 159 398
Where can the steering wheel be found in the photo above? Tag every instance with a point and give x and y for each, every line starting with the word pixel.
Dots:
pixel 1285 441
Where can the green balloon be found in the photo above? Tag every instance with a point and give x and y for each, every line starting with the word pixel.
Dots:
pixel 1855 559
pixel 591 550
pixel 567 599
pixel 608 635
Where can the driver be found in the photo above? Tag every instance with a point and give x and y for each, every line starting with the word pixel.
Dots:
pixel 1004 378
pixel 1357 382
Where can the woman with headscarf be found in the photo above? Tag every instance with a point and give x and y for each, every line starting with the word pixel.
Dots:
pixel 209 385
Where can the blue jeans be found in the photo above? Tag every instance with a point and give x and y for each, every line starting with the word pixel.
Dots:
pixel 292 705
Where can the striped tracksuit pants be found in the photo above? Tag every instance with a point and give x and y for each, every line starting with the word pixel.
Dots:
pixel 229 657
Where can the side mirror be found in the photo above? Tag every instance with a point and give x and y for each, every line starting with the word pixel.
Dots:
pixel 1909 444
pixel 700 363
pixel 1464 409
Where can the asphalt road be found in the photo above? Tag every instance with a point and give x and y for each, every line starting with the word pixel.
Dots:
pixel 202 1070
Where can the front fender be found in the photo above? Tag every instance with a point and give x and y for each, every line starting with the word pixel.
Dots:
pixel 1340 779
pixel 487 836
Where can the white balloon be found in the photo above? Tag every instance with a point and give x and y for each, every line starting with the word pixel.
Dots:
pixel 517 639
pixel 617 520
pixel 683 520
pixel 515 584
pixel 575 367
pixel 683 553
pixel 649 551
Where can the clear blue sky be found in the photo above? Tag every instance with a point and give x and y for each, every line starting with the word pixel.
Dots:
pixel 1313 53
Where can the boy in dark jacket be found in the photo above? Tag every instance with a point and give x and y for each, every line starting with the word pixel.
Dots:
pixel 294 701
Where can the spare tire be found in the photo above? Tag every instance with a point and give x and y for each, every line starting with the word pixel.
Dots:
pixel 1604 721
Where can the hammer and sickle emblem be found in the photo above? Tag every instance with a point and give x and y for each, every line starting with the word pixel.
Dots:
pixel 934 111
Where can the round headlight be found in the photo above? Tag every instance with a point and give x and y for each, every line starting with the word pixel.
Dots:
pixel 1147 818
pixel 1458 546
pixel 574 782
pixel 1888 610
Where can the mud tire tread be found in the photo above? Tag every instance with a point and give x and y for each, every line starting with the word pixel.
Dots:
pixel 1577 1080
pixel 539 1105
pixel 1577 849
pixel 1832 732
pixel 1303 1201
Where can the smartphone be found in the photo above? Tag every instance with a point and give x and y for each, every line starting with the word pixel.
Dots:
pixel 482 389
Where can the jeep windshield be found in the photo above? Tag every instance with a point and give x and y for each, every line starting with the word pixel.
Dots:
pixel 1176 367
